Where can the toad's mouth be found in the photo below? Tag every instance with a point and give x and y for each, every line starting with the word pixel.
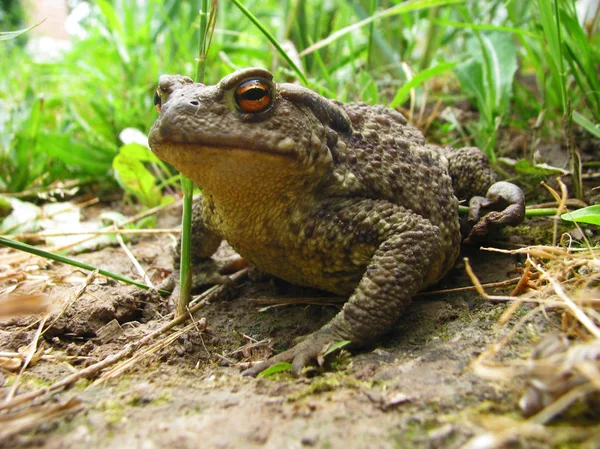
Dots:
pixel 172 152
pixel 175 150
pixel 211 167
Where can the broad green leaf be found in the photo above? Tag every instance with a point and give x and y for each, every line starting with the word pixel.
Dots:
pixel 274 369
pixel 590 214
pixel 502 56
pixel 133 176
pixel 139 152
pixel 470 76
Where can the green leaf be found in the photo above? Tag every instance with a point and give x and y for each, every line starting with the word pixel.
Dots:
pixel 581 59
pixel 470 76
pixel 403 8
pixel 417 80
pixel 590 127
pixel 488 75
pixel 133 176
pixel 274 369
pixel 336 346
pixel 367 88
pixel 502 57
pixel 76 154
pixel 524 167
pixel 590 214
pixel 5 207
pixel 485 26
pixel 272 39
pixel 6 35
pixel 551 28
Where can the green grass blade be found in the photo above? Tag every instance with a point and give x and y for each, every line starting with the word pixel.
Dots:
pixel 272 39
pixel 552 34
pixel 402 8
pixel 593 129
pixel 6 35
pixel 205 33
pixel 84 266
pixel 417 80
pixel 486 27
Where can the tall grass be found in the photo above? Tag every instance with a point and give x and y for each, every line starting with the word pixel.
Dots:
pixel 67 115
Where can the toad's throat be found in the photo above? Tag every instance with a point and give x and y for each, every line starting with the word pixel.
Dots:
pixel 238 173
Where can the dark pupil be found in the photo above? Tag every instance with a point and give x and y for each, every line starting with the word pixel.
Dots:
pixel 253 94
pixel 156 99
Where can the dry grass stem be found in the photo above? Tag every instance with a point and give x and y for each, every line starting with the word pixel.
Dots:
pixel 138 268
pixel 560 370
pixel 30 418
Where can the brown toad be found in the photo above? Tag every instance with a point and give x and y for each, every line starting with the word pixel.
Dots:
pixel 347 198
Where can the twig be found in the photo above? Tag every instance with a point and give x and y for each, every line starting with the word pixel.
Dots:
pixel 41 235
pixel 140 271
pixel 470 288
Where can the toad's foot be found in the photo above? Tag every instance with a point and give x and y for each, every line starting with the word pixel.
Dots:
pixel 311 349
pixel 408 257
pixel 506 203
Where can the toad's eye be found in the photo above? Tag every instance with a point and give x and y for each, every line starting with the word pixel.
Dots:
pixel 253 96
pixel 157 101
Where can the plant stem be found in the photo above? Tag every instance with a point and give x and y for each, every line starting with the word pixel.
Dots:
pixel 187 185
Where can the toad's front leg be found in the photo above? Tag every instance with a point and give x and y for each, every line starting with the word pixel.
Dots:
pixel 406 260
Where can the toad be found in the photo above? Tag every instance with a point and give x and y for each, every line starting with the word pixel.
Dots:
pixel 347 198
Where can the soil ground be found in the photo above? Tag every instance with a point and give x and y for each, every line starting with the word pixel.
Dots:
pixel 413 389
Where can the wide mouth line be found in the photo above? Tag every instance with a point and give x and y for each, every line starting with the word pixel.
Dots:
pixel 181 146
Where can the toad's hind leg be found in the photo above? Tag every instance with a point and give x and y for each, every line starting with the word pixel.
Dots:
pixel 408 258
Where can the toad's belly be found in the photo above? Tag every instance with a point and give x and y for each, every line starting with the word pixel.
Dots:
pixel 330 269
pixel 329 244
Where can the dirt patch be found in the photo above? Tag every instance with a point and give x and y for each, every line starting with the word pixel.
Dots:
pixel 413 389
